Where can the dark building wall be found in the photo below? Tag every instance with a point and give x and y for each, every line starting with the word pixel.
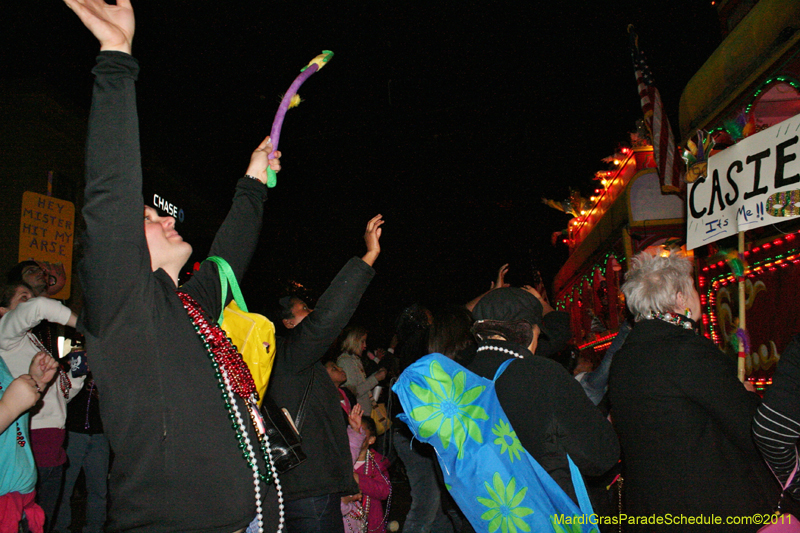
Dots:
pixel 38 134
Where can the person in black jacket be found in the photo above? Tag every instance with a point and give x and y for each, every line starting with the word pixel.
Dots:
pixel 313 490
pixel 545 405
pixel 556 331
pixel 178 464
pixel 682 416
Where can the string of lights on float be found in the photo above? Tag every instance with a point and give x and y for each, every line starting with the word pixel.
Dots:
pixel 587 279
pixel 607 178
pixel 762 88
pixel 709 287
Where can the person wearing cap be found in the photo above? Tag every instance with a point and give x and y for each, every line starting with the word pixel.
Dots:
pixel 545 405
pixel 178 459
pixel 555 323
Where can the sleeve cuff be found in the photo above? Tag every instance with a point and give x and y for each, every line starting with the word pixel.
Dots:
pixel 252 187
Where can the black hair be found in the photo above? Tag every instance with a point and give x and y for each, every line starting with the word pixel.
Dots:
pixel 15 274
pixel 286 304
pixel 450 332
pixel 412 319
pixel 9 290
pixel 369 424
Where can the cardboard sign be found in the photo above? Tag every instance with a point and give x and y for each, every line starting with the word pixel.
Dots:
pixel 751 184
pixel 46 233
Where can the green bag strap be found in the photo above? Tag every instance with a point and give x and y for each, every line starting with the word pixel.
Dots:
pixel 227 277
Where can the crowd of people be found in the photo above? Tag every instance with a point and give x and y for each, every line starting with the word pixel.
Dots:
pixel 181 415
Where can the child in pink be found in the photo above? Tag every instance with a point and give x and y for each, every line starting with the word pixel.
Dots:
pixel 371 473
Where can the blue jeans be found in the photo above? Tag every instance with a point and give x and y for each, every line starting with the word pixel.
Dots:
pixel 90 452
pixel 319 514
pixel 48 491
pixel 425 515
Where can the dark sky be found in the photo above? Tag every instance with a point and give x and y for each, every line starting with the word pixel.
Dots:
pixel 452 119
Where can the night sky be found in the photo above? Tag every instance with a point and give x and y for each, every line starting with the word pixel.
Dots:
pixel 452 119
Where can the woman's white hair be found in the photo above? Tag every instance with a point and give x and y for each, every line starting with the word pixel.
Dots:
pixel 653 283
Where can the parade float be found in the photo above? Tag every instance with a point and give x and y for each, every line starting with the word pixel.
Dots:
pixel 742 105
pixel 746 88
pixel 628 214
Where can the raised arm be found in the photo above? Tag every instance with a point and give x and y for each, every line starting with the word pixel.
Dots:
pixel 18 322
pixel 498 283
pixel 116 262
pixel 237 238
pixel 310 340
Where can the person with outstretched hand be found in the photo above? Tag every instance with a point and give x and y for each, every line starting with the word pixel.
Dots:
pixel 186 457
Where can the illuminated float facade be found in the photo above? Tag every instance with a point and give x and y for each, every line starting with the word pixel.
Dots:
pixel 629 215
pixel 755 74
pixel 752 77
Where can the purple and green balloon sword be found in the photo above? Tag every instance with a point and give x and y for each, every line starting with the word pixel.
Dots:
pixel 290 99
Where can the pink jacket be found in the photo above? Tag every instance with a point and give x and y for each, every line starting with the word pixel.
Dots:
pixel 374 486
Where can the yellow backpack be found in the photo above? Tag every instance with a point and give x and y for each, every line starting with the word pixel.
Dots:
pixel 252 334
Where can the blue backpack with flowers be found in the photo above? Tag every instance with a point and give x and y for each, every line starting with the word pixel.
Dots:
pixel 497 484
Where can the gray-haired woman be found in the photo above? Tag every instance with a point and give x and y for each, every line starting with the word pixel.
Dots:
pixel 682 416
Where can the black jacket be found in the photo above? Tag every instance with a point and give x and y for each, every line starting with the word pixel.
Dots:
pixel 177 464
pixel 329 467
pixel 683 420
pixel 550 414
pixel 558 334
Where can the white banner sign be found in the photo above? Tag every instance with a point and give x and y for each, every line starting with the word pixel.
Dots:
pixel 750 184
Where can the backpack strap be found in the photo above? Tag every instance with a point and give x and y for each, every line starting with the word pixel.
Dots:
pixel 577 479
pixel 227 277
pixel 580 488
pixel 502 368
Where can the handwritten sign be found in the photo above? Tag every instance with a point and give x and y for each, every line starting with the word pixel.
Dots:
pixel 751 184
pixel 46 233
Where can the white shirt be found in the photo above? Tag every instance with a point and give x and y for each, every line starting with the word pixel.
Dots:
pixel 18 350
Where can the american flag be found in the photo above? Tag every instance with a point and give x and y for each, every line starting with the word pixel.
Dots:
pixel 669 163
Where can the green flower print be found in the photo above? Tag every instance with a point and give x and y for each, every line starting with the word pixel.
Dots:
pixel 448 410
pixel 507 439
pixel 505 512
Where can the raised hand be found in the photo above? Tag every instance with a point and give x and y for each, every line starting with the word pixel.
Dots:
pixel 354 418
pixel 501 278
pixel 260 160
pixel 20 395
pixel 372 237
pixel 113 25
pixel 546 307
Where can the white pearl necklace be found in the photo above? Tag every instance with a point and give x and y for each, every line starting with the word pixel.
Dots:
pixel 251 453
pixel 499 349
